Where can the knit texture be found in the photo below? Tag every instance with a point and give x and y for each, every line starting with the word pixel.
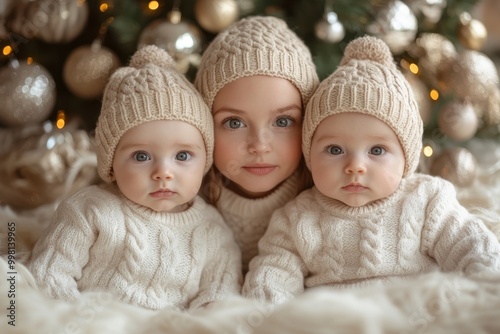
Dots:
pixel 259 45
pixel 143 257
pixel 149 89
pixel 317 241
pixel 368 81
pixel 248 218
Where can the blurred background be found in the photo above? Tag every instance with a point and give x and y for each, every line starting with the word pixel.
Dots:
pixel 56 56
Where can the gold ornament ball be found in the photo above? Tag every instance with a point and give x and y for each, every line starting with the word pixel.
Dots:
pixel 472 76
pixel 87 69
pixel 215 15
pixel 52 21
pixel 27 94
pixel 421 93
pixel 471 33
pixel 458 120
pixel 456 165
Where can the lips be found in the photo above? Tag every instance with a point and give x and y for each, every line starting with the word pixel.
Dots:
pixel 354 188
pixel 260 169
pixel 163 194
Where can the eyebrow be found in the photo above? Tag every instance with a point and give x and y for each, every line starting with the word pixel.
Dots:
pixel 179 144
pixel 276 111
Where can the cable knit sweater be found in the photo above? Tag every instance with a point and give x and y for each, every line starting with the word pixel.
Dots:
pixel 248 218
pixel 316 241
pixel 101 241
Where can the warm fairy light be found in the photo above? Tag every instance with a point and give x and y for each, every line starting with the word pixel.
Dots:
pixel 61 119
pixel 153 5
pixel 428 151
pixel 413 68
pixel 103 7
pixel 7 50
pixel 434 94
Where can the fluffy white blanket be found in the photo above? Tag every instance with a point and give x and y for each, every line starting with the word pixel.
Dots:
pixel 432 303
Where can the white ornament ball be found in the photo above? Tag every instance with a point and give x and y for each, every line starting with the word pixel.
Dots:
pixel 458 121
pixel 329 29
pixel 216 15
pixel 87 69
pixel 456 165
pixel 27 94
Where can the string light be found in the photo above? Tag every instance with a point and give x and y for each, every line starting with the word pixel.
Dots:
pixel 103 7
pixel 428 151
pixel 7 50
pixel 153 5
pixel 29 60
pixel 434 94
pixel 413 68
pixel 61 119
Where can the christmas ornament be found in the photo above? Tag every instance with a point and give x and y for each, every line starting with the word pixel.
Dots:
pixel 395 24
pixel 179 38
pixel 472 76
pixel 487 12
pixel 215 15
pixel 44 165
pixel 458 120
pixel 52 21
pixel 27 93
pixel 421 93
pixel 456 165
pixel 435 54
pixel 329 29
pixel 491 113
pixel 87 68
pixel 431 10
pixel 471 33
pixel 6 7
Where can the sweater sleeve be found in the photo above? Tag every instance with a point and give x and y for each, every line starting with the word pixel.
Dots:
pixel 60 254
pixel 277 273
pixel 456 239
pixel 221 276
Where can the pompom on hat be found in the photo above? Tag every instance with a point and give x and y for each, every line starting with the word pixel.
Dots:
pixel 149 89
pixel 258 45
pixel 367 81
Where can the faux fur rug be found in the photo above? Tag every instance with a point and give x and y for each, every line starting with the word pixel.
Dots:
pixel 432 303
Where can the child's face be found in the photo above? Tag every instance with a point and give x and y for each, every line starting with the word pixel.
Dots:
pixel 258 124
pixel 356 159
pixel 160 164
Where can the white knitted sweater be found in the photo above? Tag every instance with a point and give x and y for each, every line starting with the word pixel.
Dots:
pixel 316 241
pixel 101 241
pixel 248 218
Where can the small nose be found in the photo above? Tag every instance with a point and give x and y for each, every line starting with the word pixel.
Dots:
pixel 355 165
pixel 260 142
pixel 162 171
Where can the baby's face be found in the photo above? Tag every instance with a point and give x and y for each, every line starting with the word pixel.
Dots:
pixel 258 131
pixel 356 159
pixel 160 164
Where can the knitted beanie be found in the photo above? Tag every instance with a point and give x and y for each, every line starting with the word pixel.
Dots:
pixel 259 45
pixel 149 89
pixel 368 81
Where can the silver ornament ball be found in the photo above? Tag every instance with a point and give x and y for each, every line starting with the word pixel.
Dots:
pixel 27 92
pixel 329 29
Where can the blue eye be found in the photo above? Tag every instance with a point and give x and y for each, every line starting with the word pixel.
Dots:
pixel 283 122
pixel 334 150
pixel 233 123
pixel 377 150
pixel 141 156
pixel 182 156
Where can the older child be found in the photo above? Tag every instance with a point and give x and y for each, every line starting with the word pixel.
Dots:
pixel 144 236
pixel 369 218
pixel 256 77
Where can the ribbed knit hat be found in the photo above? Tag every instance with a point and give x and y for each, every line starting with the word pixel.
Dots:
pixel 149 89
pixel 368 81
pixel 258 45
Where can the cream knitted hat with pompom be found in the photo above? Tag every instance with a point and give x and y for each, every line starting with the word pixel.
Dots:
pixel 258 45
pixel 149 89
pixel 368 81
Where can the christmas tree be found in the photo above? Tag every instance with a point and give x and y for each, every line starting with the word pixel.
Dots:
pixel 57 54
